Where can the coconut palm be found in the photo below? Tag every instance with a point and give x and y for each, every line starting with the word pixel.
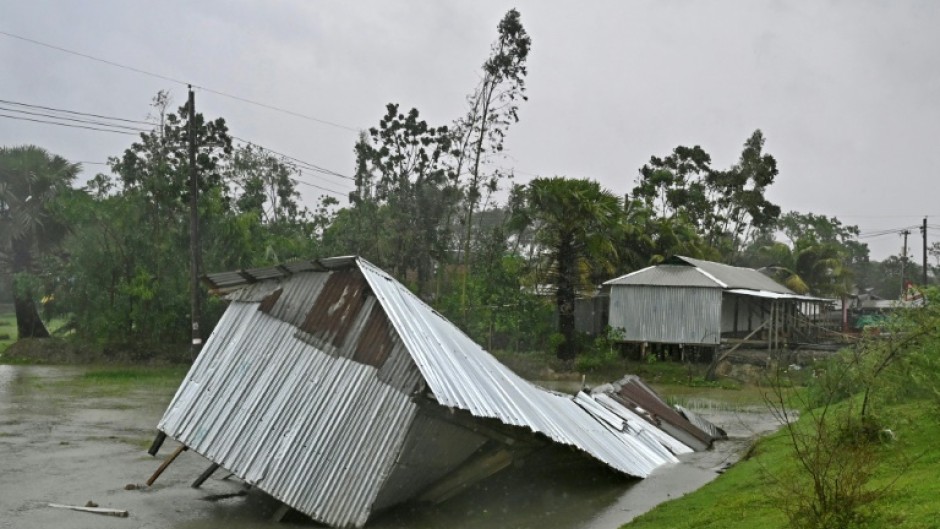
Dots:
pixel 575 222
pixel 30 178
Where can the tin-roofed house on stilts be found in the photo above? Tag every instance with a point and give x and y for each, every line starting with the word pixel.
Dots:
pixel 687 304
pixel 330 386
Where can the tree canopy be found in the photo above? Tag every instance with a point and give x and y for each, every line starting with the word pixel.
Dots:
pixel 427 206
pixel 31 180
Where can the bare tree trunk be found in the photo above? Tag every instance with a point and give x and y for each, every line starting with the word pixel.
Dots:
pixel 564 297
pixel 28 322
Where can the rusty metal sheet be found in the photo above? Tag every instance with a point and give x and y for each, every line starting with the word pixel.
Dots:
pixel 635 395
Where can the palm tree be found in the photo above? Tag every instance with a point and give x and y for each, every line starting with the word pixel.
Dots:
pixel 30 178
pixel 575 221
pixel 810 266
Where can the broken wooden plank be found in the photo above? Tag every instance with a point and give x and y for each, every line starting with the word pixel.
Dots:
pixel 95 510
pixel 166 463
pixel 483 465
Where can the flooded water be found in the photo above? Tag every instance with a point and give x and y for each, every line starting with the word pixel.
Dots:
pixel 65 443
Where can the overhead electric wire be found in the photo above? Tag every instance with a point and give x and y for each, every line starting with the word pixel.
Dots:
pixel 311 166
pixel 91 57
pixel 301 165
pixel 338 193
pixel 181 82
pixel 75 112
pixel 881 233
pixel 318 178
pixel 75 120
pixel 67 124
pixel 277 109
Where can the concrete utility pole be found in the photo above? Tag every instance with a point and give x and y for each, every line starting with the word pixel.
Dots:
pixel 904 233
pixel 923 232
pixel 194 308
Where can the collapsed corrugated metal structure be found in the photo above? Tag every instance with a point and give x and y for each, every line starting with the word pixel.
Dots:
pixel 330 386
pixel 689 301
pixel 682 424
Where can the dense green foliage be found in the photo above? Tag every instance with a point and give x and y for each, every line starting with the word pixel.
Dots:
pixel 121 273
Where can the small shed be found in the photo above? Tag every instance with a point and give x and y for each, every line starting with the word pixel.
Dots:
pixel 686 301
pixel 330 386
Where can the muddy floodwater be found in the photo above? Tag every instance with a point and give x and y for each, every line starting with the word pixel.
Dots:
pixel 67 443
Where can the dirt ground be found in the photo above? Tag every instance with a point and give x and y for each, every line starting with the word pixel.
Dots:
pixel 67 447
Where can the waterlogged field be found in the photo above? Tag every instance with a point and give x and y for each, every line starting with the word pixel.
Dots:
pixel 70 435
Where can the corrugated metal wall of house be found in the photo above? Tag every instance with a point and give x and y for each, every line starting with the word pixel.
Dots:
pixel 680 315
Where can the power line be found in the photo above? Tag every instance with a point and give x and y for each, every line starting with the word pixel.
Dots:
pixel 302 165
pixel 75 120
pixel 93 58
pixel 67 124
pixel 338 193
pixel 180 82
pixel 308 165
pixel 318 178
pixel 75 112
pixel 275 108
pixel 889 231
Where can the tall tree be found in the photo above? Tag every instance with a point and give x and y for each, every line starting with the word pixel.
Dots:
pixel 575 222
pixel 158 164
pixel 30 180
pixel 136 227
pixel 266 185
pixel 722 205
pixel 417 188
pixel 493 107
pixel 738 197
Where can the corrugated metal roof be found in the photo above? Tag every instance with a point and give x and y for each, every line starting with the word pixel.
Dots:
pixel 667 276
pixel 306 386
pixel 463 375
pixel 736 276
pixel 775 295
pixel 637 396
pixel 701 423
pixel 687 272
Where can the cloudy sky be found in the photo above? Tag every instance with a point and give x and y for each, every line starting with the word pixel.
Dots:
pixel 847 93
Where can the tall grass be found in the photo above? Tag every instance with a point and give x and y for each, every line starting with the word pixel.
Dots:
pixel 7 330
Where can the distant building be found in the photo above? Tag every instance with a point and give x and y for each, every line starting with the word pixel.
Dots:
pixel 691 302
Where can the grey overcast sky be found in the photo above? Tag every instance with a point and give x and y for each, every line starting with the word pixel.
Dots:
pixel 847 93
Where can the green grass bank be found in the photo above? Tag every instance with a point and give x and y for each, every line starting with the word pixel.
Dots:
pixel 746 497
